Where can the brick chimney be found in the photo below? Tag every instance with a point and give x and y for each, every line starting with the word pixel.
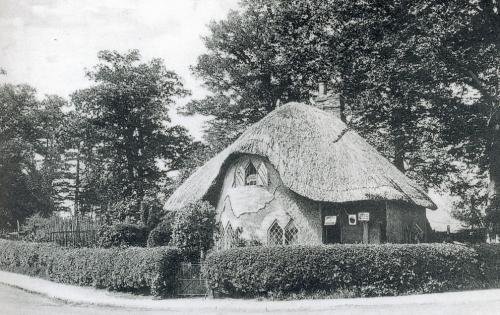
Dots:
pixel 329 101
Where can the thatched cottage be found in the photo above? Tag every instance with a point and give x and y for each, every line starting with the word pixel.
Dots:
pixel 301 176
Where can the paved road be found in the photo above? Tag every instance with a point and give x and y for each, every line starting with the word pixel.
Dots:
pixel 15 301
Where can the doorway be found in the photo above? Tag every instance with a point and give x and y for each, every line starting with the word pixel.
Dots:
pixel 332 234
pixel 332 225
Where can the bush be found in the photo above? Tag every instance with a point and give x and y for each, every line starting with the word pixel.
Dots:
pixel 142 270
pixel 193 230
pixel 122 234
pixel 162 233
pixel 35 228
pixel 368 270
pixel 489 255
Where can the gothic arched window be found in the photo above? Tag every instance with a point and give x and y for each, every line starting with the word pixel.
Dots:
pixel 291 233
pixel 228 237
pixel 275 234
pixel 250 175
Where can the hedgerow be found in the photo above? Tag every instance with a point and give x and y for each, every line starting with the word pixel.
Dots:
pixel 489 255
pixel 368 270
pixel 132 269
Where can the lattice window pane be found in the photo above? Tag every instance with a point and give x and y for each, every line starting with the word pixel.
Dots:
pixel 291 234
pixel 262 179
pixel 250 175
pixel 228 237
pixel 275 234
pixel 220 239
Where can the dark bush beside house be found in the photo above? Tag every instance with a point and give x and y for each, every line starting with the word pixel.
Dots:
pixel 139 270
pixel 193 231
pixel 162 233
pixel 122 234
pixel 374 270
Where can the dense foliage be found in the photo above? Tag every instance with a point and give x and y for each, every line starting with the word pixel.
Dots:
pixel 122 234
pixel 373 270
pixel 125 112
pixel 33 172
pixel 150 270
pixel 489 254
pixel 193 230
pixel 161 235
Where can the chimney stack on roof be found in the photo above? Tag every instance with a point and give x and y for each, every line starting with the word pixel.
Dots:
pixel 328 101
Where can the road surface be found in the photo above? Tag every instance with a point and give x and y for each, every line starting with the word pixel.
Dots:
pixel 14 301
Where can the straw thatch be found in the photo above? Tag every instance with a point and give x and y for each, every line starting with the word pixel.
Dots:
pixel 316 155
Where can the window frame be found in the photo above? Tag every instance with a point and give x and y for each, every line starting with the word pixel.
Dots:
pixel 284 241
pixel 291 225
pixel 270 236
pixel 255 174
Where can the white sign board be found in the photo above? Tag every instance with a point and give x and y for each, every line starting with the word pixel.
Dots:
pixel 330 220
pixel 364 216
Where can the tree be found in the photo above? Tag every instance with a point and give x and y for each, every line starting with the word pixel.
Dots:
pixel 24 188
pixel 52 147
pixel 245 73
pixel 127 112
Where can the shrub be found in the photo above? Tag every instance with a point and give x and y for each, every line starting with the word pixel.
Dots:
pixel 162 233
pixel 35 228
pixel 193 230
pixel 489 255
pixel 122 234
pixel 144 270
pixel 369 270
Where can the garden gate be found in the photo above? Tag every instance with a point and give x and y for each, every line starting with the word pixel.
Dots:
pixel 190 280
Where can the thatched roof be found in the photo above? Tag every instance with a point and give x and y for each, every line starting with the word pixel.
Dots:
pixel 316 155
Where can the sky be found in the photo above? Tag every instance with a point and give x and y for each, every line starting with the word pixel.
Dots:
pixel 48 44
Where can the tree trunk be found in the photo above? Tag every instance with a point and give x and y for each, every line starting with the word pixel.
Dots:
pixel 129 157
pixel 398 139
pixel 77 182
pixel 494 171
pixel 494 161
pixel 342 108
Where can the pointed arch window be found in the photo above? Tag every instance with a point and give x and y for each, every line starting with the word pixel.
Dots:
pixel 291 233
pixel 228 237
pixel 250 175
pixel 278 236
pixel 220 236
pixel 275 234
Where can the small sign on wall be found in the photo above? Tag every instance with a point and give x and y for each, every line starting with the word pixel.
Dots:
pixel 330 220
pixel 364 216
pixel 352 219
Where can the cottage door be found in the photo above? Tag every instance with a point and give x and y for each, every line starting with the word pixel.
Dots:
pixel 331 226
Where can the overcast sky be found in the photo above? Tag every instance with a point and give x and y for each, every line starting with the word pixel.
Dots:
pixel 49 43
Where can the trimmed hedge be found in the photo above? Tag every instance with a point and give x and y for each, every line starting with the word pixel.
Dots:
pixel 489 255
pixel 133 269
pixel 367 270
